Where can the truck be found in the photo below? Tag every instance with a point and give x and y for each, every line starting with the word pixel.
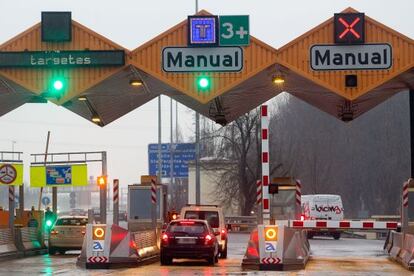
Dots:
pixel 139 206
pixel 322 207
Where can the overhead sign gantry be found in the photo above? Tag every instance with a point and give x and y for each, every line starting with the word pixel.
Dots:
pixel 212 64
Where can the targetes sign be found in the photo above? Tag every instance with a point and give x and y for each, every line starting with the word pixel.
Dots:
pixel 351 57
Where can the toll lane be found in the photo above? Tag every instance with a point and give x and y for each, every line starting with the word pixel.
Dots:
pixel 329 257
pixel 350 257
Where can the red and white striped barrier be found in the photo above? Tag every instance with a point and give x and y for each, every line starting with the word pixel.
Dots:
pixel 153 191
pixel 11 193
pixel 337 224
pixel 298 192
pixel 405 194
pixel 265 163
pixel 116 191
pixel 258 192
pixel 270 260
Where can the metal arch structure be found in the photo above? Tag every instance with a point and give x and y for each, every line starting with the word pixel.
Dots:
pixel 109 95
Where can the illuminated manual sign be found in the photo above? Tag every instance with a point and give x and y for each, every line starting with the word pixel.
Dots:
pixel 214 59
pixel 351 57
pixel 62 58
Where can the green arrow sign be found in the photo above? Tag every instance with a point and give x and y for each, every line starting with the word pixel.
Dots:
pixel 234 30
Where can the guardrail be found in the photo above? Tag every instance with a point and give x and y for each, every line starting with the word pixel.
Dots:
pixel 242 224
pixel 8 247
pixel 30 241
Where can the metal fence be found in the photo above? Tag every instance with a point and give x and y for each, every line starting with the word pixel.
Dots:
pixel 242 224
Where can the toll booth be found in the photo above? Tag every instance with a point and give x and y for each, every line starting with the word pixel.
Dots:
pixel 139 206
pixel 282 191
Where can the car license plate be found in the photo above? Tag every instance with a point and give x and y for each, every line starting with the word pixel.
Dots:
pixel 186 241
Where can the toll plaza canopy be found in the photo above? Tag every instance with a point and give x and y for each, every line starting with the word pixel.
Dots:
pixel 344 66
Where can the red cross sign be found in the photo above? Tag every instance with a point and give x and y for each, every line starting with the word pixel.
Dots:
pixel 349 28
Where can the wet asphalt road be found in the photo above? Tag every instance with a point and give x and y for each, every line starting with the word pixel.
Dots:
pixel 329 257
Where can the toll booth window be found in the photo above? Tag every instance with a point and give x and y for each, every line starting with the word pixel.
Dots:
pixel 72 222
pixel 196 228
pixel 210 216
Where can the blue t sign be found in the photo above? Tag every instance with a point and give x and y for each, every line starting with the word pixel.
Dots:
pixel 203 31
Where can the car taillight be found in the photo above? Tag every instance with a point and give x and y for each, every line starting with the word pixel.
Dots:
pixel 223 234
pixel 302 217
pixel 164 238
pixel 133 245
pixel 54 232
pixel 208 239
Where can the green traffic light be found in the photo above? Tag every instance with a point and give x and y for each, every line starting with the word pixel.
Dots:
pixel 48 223
pixel 58 85
pixel 203 82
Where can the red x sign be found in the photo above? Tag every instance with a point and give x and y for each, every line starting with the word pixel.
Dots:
pixel 349 28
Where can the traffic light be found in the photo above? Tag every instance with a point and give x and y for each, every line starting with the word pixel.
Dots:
pixel 270 233
pixel 49 223
pixel 172 215
pixel 101 181
pixel 57 87
pixel 203 82
pixel 98 233
pixel 50 219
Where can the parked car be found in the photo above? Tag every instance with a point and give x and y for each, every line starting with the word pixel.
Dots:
pixel 67 234
pixel 190 239
pixel 214 215
pixel 322 207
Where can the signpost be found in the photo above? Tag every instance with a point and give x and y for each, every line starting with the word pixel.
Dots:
pixel 8 174
pixel 46 201
pixel 56 175
pixel 212 59
pixel 59 175
pixel 62 58
pixel 182 153
pixel 351 57
pixel 234 30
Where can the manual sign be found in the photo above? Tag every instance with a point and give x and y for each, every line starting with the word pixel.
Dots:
pixel 211 59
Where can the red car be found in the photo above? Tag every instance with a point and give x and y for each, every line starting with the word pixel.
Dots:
pixel 189 239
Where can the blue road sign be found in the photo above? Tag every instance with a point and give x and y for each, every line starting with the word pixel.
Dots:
pixel 203 30
pixel 58 175
pixel 46 200
pixel 182 153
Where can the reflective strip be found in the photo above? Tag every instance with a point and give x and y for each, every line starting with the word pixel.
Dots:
pixel 258 192
pixel 330 224
pixel 116 190
pixel 153 191
pixel 265 158
pixel 298 192
pixel 405 194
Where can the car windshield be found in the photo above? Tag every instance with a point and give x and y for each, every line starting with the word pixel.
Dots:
pixel 71 221
pixel 187 227
pixel 211 216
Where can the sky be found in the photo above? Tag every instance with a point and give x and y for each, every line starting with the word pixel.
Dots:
pixel 130 24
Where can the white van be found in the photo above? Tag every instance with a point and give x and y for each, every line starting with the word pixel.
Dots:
pixel 213 214
pixel 322 207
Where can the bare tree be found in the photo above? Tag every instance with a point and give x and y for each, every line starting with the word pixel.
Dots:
pixel 239 142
